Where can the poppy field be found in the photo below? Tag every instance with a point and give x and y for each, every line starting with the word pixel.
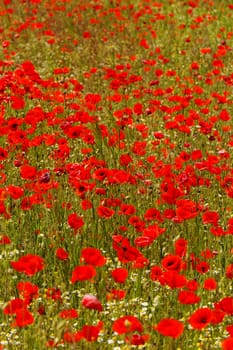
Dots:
pixel 116 174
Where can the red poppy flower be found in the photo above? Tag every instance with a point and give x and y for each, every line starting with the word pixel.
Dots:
pixel 188 297
pixel 86 204
pixel 23 318
pixel 139 148
pixel 50 344
pixel 71 338
pixel 18 137
pixel 3 154
pixel 28 172
pixel 194 66
pixel 153 214
pixel 120 275
pixel 186 209
pixel 92 98
pixel 208 254
pixel 227 344
pixel 91 333
pixel 155 273
pixel 202 267
pixel 229 271
pixel 127 324
pixel 14 305
pixel 210 284
pixel 229 329
pixel 140 262
pixel 138 108
pixel 28 290
pixel 169 214
pixel 17 102
pixel 90 301
pixel 62 254
pixel 119 242
pixel 15 192
pixel 68 314
pixel 136 222
pixel 75 221
pixel 83 273
pixel 53 293
pixel 34 116
pixel 201 318
pixel 181 247
pixel 92 256
pixel 116 294
pixel 217 316
pixel 169 192
pixel 137 339
pixel 86 35
pixel 143 241
pixel 125 251
pixel 27 203
pixel 100 174
pixel 127 209
pixel 5 43
pixel 173 279
pixel 172 262
pixel 125 160
pixel 29 264
pixel 158 135
pixel 170 327
pixel 192 285
pixel 127 254
pixel 4 239
pixel 224 115
pixel 210 217
pixel 226 305
pixel 112 202
pixel 105 212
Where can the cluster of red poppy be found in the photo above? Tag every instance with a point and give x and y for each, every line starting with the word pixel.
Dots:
pixel 130 161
